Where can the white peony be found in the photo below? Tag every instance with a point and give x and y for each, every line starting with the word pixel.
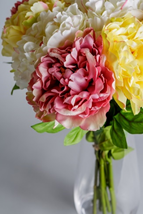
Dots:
pixel 100 11
pixel 63 28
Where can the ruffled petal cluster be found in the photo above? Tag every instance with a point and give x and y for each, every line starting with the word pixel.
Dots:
pixel 74 56
pixel 24 57
pixel 23 16
pixel 100 11
pixel 52 29
pixel 123 45
pixel 16 5
pixel 72 85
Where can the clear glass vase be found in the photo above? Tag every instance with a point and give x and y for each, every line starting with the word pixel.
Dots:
pixel 125 179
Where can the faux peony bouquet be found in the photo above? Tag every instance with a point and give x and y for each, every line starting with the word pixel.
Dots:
pixel 81 62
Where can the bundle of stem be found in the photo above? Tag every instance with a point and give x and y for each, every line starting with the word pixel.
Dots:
pixel 104 191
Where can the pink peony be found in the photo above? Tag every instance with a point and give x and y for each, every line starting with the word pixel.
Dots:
pixel 72 85
pixel 15 8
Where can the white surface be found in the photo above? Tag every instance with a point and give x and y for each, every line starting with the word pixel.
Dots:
pixel 36 171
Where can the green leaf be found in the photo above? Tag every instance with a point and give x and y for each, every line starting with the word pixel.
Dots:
pixel 118 135
pixel 90 136
pixel 106 145
pixel 29 22
pixel 47 127
pixel 114 109
pixel 8 63
pixel 130 122
pixel 74 136
pixel 119 153
pixel 12 71
pixel 103 139
pixel 15 87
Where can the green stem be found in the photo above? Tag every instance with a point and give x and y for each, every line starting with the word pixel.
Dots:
pixel 106 182
pixel 111 187
pixel 103 172
pixel 95 187
pixel 102 185
pixel 107 202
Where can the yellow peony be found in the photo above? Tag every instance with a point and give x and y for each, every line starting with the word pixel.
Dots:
pixel 123 47
pixel 16 26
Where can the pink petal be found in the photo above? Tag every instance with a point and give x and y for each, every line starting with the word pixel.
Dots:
pixel 95 122
pixel 70 62
pixel 91 63
pixel 68 122
pixel 87 42
pixel 44 5
pixel 78 82
pixel 97 88
pixel 58 104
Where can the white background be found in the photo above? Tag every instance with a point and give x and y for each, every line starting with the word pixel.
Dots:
pixel 36 171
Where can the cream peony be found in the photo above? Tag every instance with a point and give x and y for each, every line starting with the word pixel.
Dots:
pixel 23 17
pixel 24 56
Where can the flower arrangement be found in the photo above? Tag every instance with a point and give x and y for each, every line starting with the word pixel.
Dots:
pixel 81 62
